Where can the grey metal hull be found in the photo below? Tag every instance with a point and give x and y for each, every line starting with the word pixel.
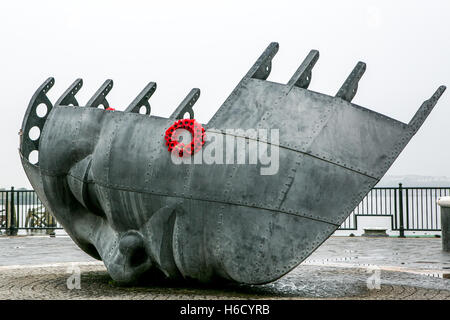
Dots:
pixel 109 180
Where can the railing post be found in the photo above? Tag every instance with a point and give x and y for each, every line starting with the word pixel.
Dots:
pixel 6 212
pixel 17 210
pixel 400 211
pixel 12 231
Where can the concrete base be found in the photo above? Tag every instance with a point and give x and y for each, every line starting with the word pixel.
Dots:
pixel 11 232
pixel 375 233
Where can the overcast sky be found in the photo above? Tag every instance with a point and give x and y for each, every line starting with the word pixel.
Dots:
pixel 186 44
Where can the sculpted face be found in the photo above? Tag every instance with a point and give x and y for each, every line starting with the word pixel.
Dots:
pixel 109 180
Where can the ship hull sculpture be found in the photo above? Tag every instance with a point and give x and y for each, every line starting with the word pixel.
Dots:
pixel 108 179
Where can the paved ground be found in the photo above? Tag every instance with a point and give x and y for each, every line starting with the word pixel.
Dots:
pixel 413 268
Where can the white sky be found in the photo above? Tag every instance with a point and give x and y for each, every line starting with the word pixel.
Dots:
pixel 186 44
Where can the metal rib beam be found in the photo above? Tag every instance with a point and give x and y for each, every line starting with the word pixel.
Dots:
pixel 99 98
pixel 302 77
pixel 68 97
pixel 142 100
pixel 186 105
pixel 348 90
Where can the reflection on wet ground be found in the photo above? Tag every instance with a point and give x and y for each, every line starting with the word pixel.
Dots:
pixel 421 256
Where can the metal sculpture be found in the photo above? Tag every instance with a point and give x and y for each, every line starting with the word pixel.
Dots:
pixel 108 179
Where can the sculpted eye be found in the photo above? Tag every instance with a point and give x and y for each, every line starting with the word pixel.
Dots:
pixel 81 186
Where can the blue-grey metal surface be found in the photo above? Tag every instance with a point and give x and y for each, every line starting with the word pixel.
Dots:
pixel 109 180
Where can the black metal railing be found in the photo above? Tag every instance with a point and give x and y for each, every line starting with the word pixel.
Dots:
pixel 22 210
pixel 410 209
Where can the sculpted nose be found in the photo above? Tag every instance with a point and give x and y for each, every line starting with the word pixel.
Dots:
pixel 132 247
pixel 130 260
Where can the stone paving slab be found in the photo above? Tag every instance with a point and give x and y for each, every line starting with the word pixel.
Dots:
pixel 37 268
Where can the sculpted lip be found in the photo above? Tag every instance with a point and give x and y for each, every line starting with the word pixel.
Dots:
pixel 108 179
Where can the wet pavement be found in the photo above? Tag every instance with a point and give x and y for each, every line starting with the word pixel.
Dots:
pixel 40 250
pixel 342 268
pixel 413 255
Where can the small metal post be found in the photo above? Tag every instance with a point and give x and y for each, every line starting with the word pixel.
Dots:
pixel 12 231
pixel 400 210
pixel 7 213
